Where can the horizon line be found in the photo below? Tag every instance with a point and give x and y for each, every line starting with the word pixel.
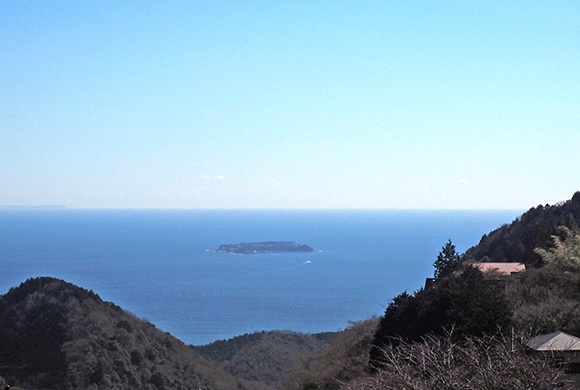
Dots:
pixel 62 207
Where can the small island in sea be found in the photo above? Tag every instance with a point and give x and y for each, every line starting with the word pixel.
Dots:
pixel 264 247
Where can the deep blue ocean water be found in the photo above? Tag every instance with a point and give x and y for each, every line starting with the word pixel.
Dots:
pixel 158 264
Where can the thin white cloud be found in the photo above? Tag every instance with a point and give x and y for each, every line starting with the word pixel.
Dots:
pixel 276 183
pixel 462 181
pixel 220 177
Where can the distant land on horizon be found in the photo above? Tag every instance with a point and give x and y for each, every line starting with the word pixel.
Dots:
pixel 31 207
pixel 63 207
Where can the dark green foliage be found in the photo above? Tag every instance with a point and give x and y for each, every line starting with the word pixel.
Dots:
pixel 264 357
pixel 56 335
pixel 448 260
pixel 548 299
pixel 158 380
pixel 345 358
pixel 466 303
pixel 30 337
pixel 136 358
pixel 124 324
pixel 518 240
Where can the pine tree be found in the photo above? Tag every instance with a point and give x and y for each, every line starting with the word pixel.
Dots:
pixel 447 260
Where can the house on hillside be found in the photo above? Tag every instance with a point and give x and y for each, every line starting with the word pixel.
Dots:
pixel 504 269
pixel 561 347
pixel 496 274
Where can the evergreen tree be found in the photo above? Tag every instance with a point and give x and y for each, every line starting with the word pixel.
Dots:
pixel 447 260
pixel 466 303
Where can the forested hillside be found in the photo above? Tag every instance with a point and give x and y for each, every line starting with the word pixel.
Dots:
pixel 344 359
pixel 517 241
pixel 262 359
pixel 54 335
pixel 469 330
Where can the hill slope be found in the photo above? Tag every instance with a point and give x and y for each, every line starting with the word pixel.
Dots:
pixel 518 240
pixel 342 360
pixel 57 335
pixel 262 359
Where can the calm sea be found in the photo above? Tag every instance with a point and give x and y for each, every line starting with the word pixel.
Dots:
pixel 158 264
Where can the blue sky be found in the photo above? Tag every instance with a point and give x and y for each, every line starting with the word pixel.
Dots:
pixel 289 104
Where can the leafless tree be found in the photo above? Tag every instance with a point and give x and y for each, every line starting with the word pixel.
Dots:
pixel 478 363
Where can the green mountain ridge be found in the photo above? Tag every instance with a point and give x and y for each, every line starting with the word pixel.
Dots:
pixel 55 335
pixel 517 241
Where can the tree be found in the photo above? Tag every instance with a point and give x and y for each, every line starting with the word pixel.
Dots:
pixel 565 254
pixel 496 361
pixel 447 261
pixel 466 303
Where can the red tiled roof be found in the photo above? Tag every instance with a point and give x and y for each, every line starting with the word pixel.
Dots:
pixel 503 268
